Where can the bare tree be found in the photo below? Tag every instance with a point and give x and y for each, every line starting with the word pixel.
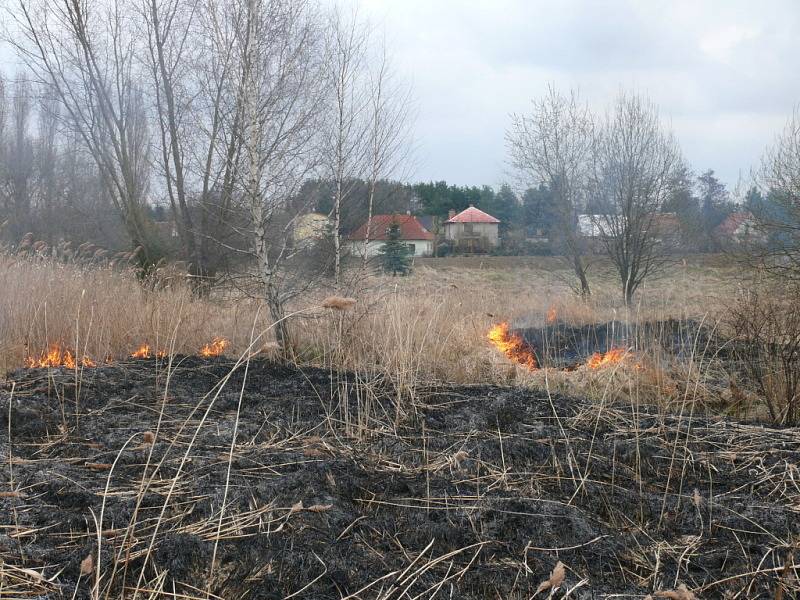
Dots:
pixel 775 245
pixel 553 146
pixel 47 144
pixel 190 48
pixel 388 134
pixel 279 50
pixel 635 161
pixel 86 52
pixel 347 142
pixel 20 158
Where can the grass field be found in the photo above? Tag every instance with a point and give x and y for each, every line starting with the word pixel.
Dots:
pixel 402 454
pixel 440 313
pixel 430 326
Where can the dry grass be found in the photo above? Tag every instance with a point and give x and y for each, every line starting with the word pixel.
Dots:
pixel 426 327
pixel 104 313
pixel 430 326
pixel 433 325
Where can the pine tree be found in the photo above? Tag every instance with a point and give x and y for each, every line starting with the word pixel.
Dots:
pixel 394 254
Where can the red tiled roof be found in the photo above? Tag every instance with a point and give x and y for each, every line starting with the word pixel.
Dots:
pixel 473 215
pixel 410 228
pixel 732 222
pixel 666 223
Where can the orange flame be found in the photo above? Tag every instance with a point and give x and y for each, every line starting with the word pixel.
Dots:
pixel 512 345
pixel 56 356
pixel 552 315
pixel 142 352
pixel 601 359
pixel 145 351
pixel 215 348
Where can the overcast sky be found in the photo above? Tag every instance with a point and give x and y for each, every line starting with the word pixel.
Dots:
pixel 724 73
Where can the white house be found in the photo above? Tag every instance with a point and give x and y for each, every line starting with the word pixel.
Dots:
pixel 412 233
pixel 472 230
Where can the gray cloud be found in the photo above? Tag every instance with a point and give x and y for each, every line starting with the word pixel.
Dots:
pixel 722 72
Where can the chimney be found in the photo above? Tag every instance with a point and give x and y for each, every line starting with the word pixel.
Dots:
pixel 450 214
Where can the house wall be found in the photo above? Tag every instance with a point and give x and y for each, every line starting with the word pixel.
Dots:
pixel 459 231
pixel 421 247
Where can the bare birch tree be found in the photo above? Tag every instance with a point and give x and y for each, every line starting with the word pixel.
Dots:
pixel 347 142
pixel 280 64
pixel 553 146
pixel 636 159
pixel 86 52
pixel 388 133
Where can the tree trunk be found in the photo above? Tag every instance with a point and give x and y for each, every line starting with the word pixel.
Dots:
pixel 337 240
pixel 580 271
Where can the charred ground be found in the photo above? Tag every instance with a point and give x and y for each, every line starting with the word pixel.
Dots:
pixel 464 492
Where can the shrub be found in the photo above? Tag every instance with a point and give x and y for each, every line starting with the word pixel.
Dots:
pixel 767 328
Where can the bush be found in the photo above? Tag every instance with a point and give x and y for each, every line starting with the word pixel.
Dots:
pixel 767 328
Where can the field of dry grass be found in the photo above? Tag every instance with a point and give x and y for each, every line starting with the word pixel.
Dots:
pixel 364 479
pixel 430 326
pixel 437 317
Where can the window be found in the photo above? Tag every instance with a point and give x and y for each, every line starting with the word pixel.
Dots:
pixel 468 229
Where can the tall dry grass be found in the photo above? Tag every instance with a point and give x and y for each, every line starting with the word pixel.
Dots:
pixel 104 313
pixel 434 323
pixel 428 327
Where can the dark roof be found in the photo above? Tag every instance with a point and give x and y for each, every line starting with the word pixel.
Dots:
pixel 426 221
pixel 472 215
pixel 410 228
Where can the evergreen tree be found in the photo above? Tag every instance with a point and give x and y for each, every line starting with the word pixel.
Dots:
pixel 684 203
pixel 394 254
pixel 538 212
pixel 505 206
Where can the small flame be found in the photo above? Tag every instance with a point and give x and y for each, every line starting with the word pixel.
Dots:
pixel 215 348
pixel 142 352
pixel 145 351
pixel 56 356
pixel 512 345
pixel 601 359
pixel 552 315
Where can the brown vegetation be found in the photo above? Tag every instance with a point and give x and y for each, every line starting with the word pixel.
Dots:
pixel 430 326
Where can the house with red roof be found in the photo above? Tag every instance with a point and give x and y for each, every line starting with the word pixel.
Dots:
pixel 738 227
pixel 472 230
pixel 369 240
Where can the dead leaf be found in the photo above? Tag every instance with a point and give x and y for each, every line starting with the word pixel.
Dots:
pixel 149 437
pixel 87 565
pixel 313 452
pixel 296 507
pixel 33 574
pixel 97 466
pixel 319 507
pixel 697 498
pixel 10 494
pixel 458 458
pixel 681 593
pixel 555 580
